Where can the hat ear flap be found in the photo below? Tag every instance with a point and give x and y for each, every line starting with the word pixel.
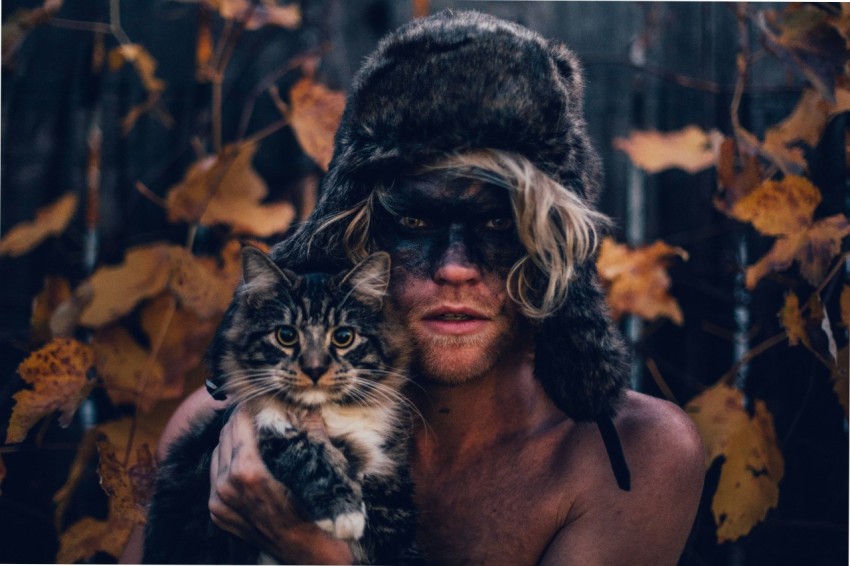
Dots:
pixel 569 71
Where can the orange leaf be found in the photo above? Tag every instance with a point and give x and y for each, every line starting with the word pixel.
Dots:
pixel 637 280
pixel 142 61
pixel 144 273
pixel 749 479
pixel 813 330
pixel 57 373
pixel 56 291
pixel 183 345
pixel 65 319
pixel 792 320
pixel 85 538
pixel 735 182
pixel 845 305
pixel 225 189
pixel 201 287
pixel 813 249
pixel 254 16
pixel 50 220
pixel 779 208
pixel 204 47
pixel 18 25
pixel 129 372
pixel 690 149
pixel 315 116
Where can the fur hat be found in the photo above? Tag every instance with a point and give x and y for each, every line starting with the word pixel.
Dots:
pixel 462 81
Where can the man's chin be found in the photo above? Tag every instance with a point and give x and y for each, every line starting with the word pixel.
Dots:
pixel 455 360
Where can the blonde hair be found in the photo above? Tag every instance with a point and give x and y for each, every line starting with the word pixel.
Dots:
pixel 555 226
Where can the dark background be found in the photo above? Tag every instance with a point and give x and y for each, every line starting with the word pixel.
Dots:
pixel 50 95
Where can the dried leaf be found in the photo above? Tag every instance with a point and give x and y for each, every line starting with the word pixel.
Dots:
pixel 204 47
pixel 129 372
pixel 749 479
pixel 735 182
pixel 803 37
pixel 201 287
pixel 808 120
pixel 183 346
pixel 779 208
pixel 637 280
pixel 57 373
pixel 50 220
pixel 255 16
pixel 56 291
pixel 845 306
pixel 225 189
pixel 144 273
pixel 315 115
pixel 142 61
pixel 18 25
pixel 84 539
pixel 67 315
pixel 792 320
pixel 690 149
pixel 813 249
pixel 813 330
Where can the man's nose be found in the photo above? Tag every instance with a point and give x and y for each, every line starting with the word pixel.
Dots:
pixel 455 266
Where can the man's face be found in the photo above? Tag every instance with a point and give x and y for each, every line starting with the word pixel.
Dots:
pixel 453 242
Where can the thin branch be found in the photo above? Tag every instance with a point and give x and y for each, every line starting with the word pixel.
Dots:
pixel 267 131
pixel 659 380
pixel 150 195
pixel 115 21
pixel 752 354
pixel 83 26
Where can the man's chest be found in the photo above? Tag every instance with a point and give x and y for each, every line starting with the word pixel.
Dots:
pixel 501 511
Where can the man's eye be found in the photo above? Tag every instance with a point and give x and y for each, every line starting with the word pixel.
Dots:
pixel 499 224
pixel 412 222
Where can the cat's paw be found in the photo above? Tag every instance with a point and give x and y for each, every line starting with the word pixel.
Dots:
pixel 346 526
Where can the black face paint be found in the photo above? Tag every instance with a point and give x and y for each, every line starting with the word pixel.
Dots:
pixel 431 219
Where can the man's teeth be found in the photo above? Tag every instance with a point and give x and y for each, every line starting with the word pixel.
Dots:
pixel 455 317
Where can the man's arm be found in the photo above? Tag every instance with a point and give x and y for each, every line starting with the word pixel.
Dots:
pixel 244 499
pixel 649 524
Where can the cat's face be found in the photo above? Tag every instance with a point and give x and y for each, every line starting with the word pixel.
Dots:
pixel 309 340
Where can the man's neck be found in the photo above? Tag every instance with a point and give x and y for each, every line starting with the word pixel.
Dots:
pixel 507 403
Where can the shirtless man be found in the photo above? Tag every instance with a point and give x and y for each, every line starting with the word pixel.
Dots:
pixel 508 460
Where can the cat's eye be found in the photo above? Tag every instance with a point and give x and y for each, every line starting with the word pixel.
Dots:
pixel 412 222
pixel 286 336
pixel 342 337
pixel 499 224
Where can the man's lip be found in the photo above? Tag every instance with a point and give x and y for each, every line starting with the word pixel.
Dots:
pixel 439 312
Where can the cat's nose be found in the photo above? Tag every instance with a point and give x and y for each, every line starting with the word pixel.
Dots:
pixel 315 372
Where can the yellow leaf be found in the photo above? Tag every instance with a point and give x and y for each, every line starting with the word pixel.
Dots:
pixel 50 220
pixel 142 61
pixel 84 539
pixel 735 182
pixel 813 249
pixel 690 149
pixel 129 372
pixel 636 280
pixel 200 287
pixel 144 273
pixel 64 320
pixel 57 373
pixel 779 208
pixel 315 116
pixel 56 291
pixel 254 16
pixel 792 320
pixel 749 478
pixel 813 330
pixel 183 346
pixel 225 189
pixel 807 122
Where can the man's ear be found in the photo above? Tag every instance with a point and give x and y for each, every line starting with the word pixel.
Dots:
pixel 369 279
pixel 260 274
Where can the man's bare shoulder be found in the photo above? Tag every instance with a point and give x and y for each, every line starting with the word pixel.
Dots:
pixel 645 422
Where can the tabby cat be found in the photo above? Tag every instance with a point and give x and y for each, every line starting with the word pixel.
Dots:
pixel 290 344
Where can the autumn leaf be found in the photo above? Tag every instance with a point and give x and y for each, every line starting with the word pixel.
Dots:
pixel 204 48
pixel 128 489
pixel 749 478
pixel 202 287
pixel 803 37
pixel 314 116
pixel 225 189
pixel 66 317
pixel 812 330
pixel 637 281
pixel 779 208
pixel 256 15
pixel 144 273
pixel 56 291
pixel 183 345
pixel 808 120
pixel 130 374
pixel 845 305
pixel 145 65
pixel 812 249
pixel 57 373
pixel 50 220
pixel 18 25
pixel 690 149
pixel 736 180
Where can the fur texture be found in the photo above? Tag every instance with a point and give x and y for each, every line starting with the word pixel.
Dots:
pixel 460 81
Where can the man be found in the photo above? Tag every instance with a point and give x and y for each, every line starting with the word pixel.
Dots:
pixel 463 153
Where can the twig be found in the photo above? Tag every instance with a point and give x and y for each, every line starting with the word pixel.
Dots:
pixel 115 22
pixel 752 354
pixel 659 380
pixel 150 195
pixel 267 131
pixel 83 26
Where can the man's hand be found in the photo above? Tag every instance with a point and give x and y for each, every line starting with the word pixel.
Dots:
pixel 247 501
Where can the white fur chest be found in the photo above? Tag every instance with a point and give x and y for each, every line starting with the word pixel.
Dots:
pixel 366 429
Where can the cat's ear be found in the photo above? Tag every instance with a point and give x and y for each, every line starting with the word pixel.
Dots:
pixel 260 273
pixel 369 279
